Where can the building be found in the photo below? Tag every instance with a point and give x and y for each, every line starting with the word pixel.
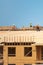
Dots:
pixel 22 46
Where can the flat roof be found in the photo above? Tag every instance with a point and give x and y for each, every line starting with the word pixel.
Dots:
pixel 14 28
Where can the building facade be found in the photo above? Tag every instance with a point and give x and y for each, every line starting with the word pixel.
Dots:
pixel 21 46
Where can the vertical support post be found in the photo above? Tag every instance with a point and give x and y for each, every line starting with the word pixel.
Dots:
pixel 5 55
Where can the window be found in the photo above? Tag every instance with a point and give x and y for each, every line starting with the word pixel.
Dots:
pixel 27 51
pixel 1 52
pixel 27 64
pixel 11 51
pixel 1 49
pixel 42 53
pixel 11 64
pixel 1 63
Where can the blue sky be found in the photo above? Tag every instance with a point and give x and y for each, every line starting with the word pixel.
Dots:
pixel 21 12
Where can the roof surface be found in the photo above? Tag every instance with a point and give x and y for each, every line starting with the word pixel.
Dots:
pixel 14 28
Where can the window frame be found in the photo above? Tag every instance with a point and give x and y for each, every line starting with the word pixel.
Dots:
pixel 10 52
pixel 28 51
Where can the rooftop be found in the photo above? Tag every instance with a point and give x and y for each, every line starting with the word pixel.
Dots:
pixel 14 28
